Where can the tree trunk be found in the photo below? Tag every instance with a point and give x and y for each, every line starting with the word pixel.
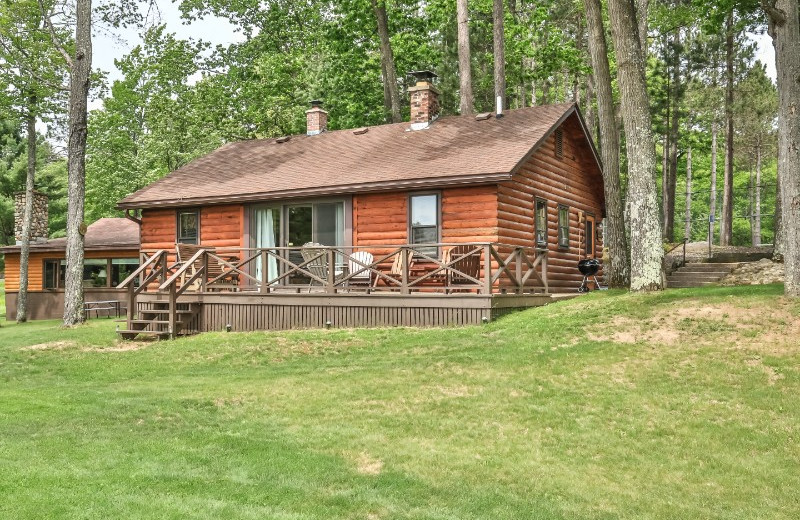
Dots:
pixel 757 200
pixel 777 241
pixel 498 15
pixel 672 163
pixel 647 253
pixel 784 24
pixel 618 272
pixel 712 198
pixel 589 113
pixel 726 225
pixel 642 6
pixel 664 178
pixel 76 163
pixel 27 216
pixel 464 59
pixel 687 225
pixel 391 93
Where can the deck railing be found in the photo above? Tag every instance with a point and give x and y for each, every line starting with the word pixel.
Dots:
pixel 476 268
pixel 480 268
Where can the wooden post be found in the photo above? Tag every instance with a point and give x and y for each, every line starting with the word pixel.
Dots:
pixel 173 311
pixel 487 269
pixel 131 303
pixel 404 270
pixel 544 271
pixel 331 278
pixel 204 275
pixel 163 260
pixel 264 272
pixel 520 286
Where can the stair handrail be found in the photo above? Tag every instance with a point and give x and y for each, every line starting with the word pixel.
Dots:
pixel 159 257
pixel 139 270
pixel 189 264
pixel 676 246
pixel 174 292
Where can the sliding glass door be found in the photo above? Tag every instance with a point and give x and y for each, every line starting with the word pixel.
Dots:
pixel 294 225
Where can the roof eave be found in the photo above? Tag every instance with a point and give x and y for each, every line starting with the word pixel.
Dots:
pixel 344 189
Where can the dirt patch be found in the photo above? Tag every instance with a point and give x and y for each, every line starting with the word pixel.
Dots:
pixel 367 465
pixel 772 375
pixel 771 331
pixel 52 345
pixel 122 346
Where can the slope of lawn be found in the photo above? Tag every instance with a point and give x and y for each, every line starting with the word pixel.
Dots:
pixel 682 404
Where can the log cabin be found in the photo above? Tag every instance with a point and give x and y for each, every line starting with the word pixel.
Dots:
pixel 523 188
pixel 111 254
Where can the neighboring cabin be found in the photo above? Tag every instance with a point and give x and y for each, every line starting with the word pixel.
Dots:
pixel 111 254
pixel 530 178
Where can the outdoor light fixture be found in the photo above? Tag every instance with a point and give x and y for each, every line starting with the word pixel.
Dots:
pixel 328 324
pixel 228 327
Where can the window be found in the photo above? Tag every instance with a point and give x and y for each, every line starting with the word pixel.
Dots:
pixel 425 222
pixel 563 226
pixel 590 231
pixel 95 272
pixel 541 222
pixel 122 268
pixel 189 227
pixel 53 275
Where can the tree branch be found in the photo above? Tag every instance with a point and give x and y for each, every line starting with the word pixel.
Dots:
pixel 53 35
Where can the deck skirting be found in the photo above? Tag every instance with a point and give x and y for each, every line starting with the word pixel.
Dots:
pixel 248 312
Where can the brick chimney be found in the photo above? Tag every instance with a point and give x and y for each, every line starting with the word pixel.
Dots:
pixel 316 119
pixel 39 222
pixel 424 100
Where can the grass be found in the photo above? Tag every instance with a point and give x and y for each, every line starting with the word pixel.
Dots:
pixel 675 405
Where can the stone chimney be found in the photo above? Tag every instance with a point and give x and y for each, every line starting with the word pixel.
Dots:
pixel 316 119
pixel 39 222
pixel 424 100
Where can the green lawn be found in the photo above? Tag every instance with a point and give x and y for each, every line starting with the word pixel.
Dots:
pixel 676 405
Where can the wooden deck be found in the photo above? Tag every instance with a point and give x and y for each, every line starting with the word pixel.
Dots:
pixel 395 286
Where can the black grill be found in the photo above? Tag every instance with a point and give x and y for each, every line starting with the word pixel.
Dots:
pixel 588 268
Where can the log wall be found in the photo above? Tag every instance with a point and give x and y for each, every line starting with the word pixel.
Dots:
pixel 220 226
pixel 468 215
pixel 573 180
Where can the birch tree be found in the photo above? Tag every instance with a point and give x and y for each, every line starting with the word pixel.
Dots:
pixel 646 251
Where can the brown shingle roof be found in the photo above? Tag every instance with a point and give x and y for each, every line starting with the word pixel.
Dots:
pixel 452 150
pixel 105 234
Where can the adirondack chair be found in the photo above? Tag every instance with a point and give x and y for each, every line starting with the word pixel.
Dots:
pixel 318 265
pixel 469 265
pixel 231 279
pixel 354 264
pixel 396 271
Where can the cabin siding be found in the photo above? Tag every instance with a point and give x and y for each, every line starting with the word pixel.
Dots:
pixel 36 265
pixel 573 180
pixel 220 226
pixel 468 215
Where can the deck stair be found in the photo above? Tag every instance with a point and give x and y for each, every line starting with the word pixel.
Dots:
pixel 154 321
pixel 699 274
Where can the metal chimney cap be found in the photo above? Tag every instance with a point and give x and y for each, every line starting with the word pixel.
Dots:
pixel 423 75
pixel 316 103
